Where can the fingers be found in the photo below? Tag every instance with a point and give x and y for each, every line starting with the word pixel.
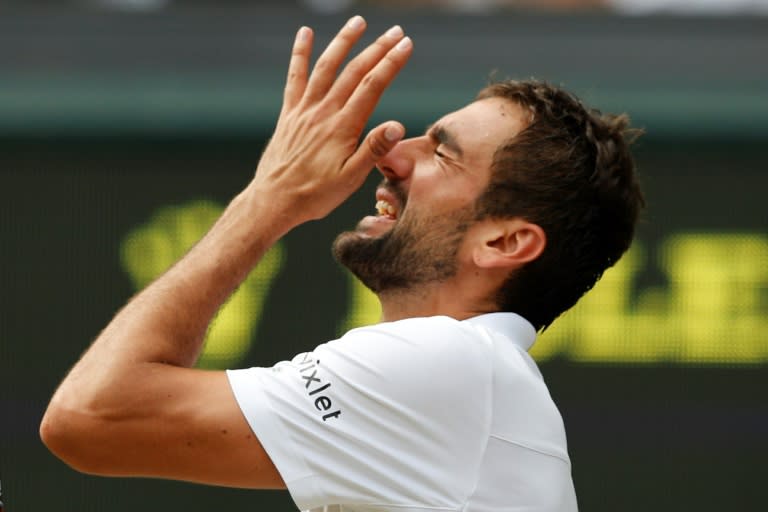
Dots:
pixel 364 78
pixel 359 66
pixel 374 147
pixel 366 94
pixel 324 72
pixel 298 68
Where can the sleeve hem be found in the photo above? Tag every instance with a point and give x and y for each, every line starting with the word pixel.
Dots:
pixel 266 425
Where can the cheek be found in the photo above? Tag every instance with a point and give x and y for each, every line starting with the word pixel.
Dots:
pixel 444 198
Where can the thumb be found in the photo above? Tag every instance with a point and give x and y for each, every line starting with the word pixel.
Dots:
pixel 375 146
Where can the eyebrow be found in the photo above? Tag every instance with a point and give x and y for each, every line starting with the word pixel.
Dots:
pixel 441 135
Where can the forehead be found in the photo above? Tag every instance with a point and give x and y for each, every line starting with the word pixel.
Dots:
pixel 482 126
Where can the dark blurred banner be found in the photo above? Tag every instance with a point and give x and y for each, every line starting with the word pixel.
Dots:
pixel 123 137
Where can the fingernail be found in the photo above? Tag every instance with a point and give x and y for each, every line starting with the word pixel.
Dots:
pixel 395 32
pixel 404 44
pixel 356 22
pixel 393 133
pixel 303 34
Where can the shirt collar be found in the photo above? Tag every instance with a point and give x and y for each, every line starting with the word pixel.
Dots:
pixel 511 325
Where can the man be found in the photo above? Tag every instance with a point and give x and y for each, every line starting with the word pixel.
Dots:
pixel 490 225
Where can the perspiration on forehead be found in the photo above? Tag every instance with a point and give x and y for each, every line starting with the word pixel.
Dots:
pixel 511 120
pixel 526 109
pixel 520 116
pixel 527 113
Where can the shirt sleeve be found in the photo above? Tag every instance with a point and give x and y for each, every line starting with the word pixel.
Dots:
pixel 395 414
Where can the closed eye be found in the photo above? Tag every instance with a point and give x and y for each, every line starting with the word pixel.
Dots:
pixel 442 137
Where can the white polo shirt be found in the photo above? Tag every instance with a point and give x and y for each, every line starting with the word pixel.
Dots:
pixel 420 414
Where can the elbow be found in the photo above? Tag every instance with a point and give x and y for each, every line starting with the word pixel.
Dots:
pixel 68 436
pixel 59 436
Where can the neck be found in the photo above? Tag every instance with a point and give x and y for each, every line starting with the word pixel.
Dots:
pixel 431 300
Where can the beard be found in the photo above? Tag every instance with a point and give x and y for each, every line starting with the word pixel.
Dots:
pixel 416 251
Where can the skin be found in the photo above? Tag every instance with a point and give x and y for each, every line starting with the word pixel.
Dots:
pixel 133 406
pixel 433 181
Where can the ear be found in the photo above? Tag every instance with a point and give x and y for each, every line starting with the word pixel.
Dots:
pixel 509 243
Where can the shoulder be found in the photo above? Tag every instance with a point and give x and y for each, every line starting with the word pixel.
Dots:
pixel 438 340
pixel 422 332
pixel 415 360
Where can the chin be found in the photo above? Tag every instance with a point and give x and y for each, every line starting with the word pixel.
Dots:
pixel 349 237
pixel 352 247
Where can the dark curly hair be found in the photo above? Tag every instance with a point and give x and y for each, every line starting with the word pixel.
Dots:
pixel 571 172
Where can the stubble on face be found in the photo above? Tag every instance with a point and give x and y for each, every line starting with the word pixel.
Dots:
pixel 419 249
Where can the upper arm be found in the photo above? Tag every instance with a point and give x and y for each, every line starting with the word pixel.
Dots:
pixel 165 422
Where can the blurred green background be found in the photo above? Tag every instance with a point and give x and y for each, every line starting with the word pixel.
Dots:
pixel 123 132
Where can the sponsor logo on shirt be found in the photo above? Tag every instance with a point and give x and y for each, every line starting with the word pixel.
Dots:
pixel 317 388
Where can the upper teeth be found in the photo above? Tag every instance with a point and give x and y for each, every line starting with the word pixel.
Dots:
pixel 384 208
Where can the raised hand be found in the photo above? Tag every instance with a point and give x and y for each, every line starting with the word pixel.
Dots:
pixel 313 162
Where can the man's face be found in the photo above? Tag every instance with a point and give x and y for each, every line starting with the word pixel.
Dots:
pixel 426 202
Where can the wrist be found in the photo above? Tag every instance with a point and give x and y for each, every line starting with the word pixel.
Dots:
pixel 254 220
pixel 273 213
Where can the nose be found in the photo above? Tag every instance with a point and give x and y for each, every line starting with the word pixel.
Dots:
pixel 397 165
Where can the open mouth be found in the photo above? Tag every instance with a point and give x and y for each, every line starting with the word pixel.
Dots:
pixel 385 218
pixel 386 209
